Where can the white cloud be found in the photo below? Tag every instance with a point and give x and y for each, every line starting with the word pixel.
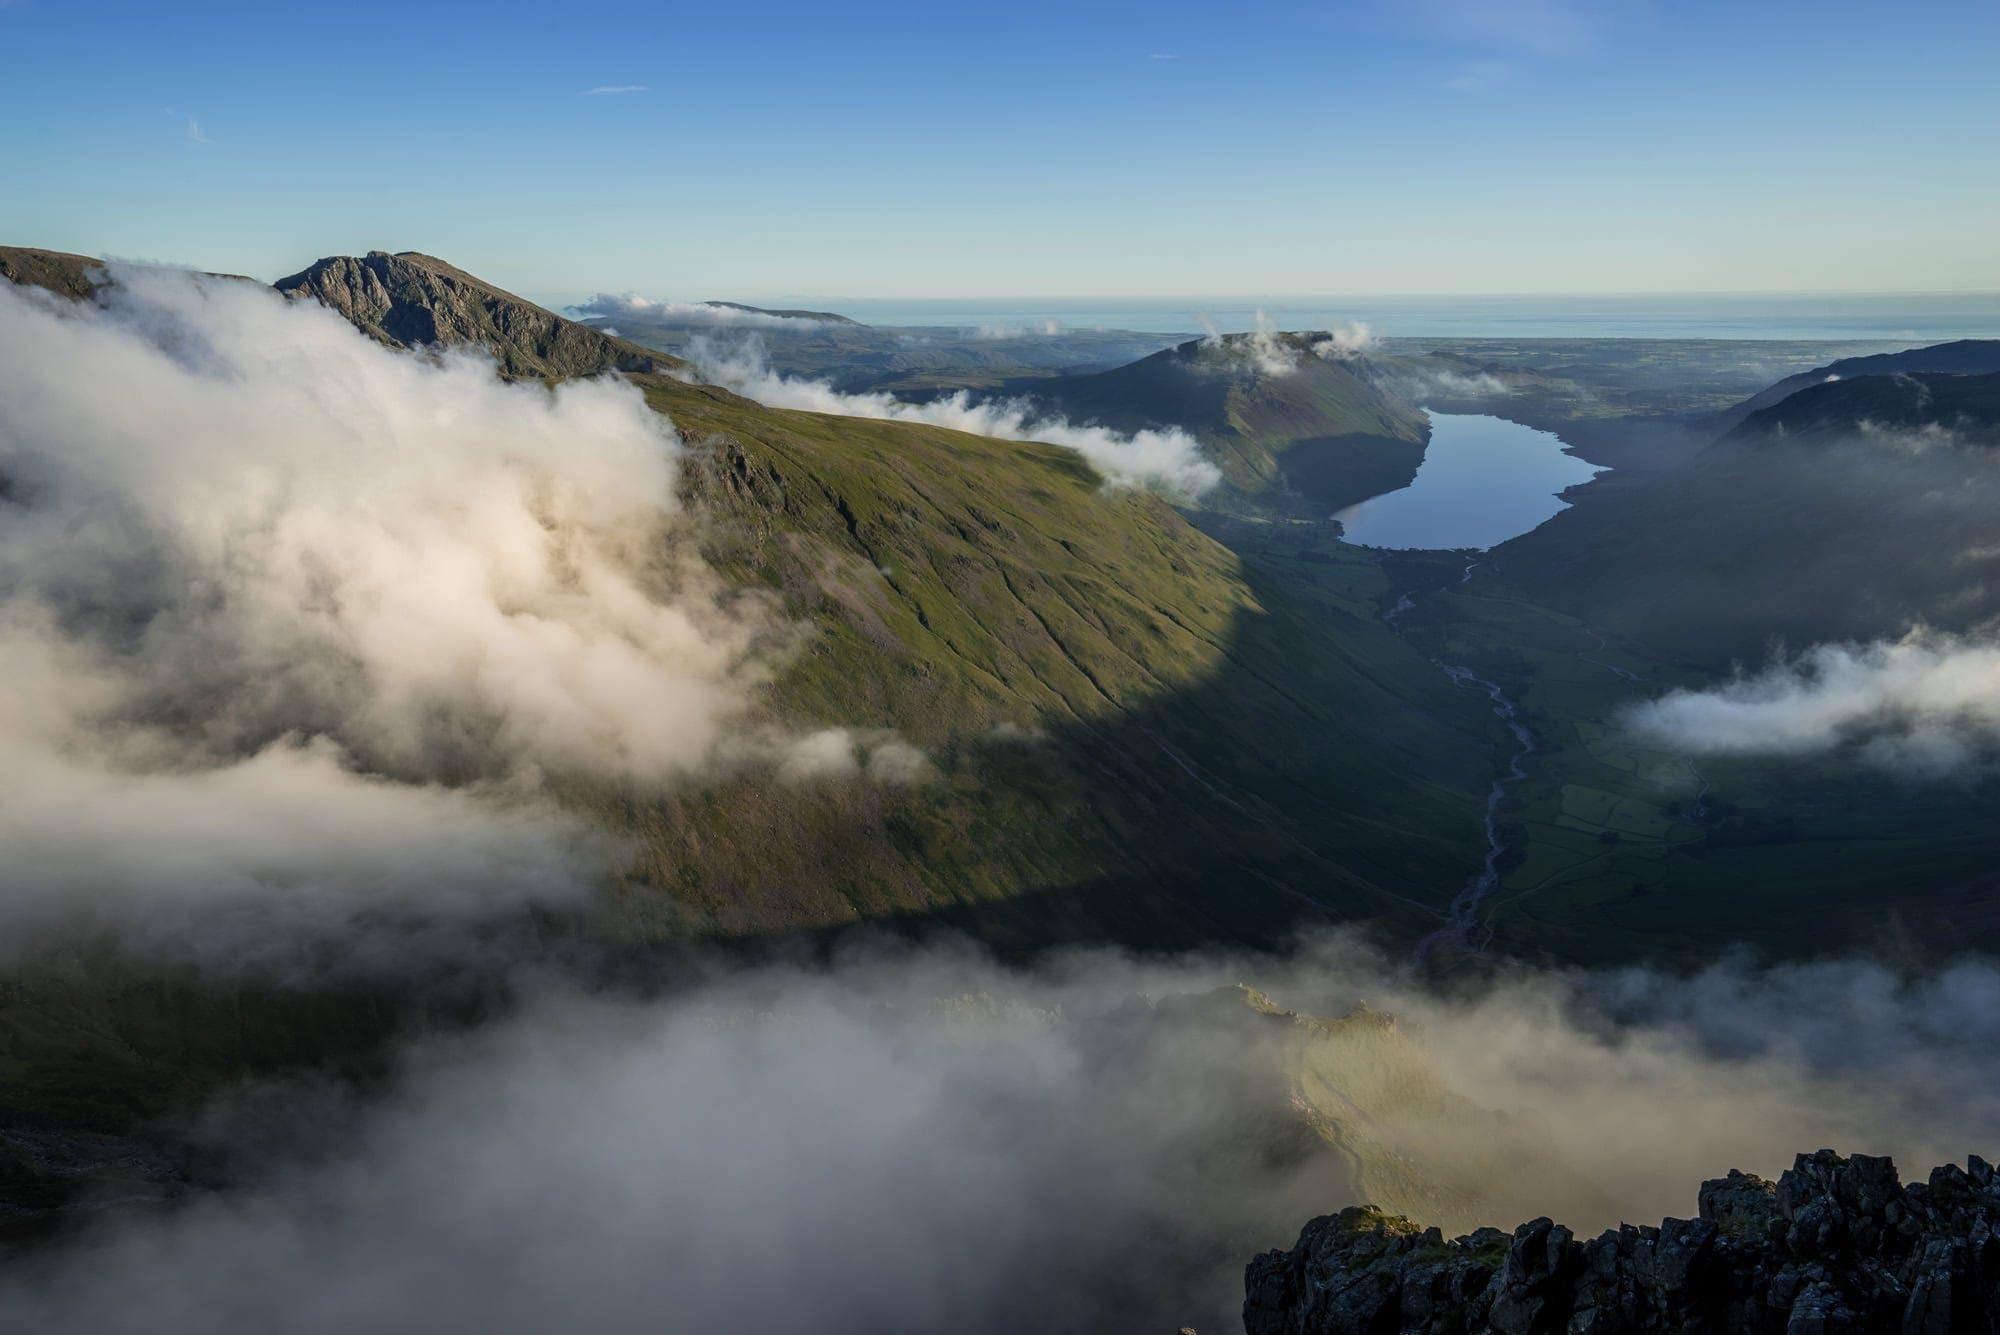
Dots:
pixel 195 132
pixel 927 1141
pixel 1924 705
pixel 1000 329
pixel 614 89
pixel 698 314
pixel 1348 341
pixel 295 624
pixel 1168 461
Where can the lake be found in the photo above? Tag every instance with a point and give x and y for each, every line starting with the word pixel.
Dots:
pixel 1483 481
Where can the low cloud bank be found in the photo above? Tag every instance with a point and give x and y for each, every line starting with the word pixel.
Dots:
pixel 1011 329
pixel 924 1140
pixel 1271 352
pixel 1926 705
pixel 1168 461
pixel 293 626
pixel 698 314
pixel 1347 342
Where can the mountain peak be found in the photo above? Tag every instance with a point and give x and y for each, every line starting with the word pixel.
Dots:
pixel 410 299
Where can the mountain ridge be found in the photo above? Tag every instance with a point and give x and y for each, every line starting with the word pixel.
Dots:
pixel 1965 356
pixel 409 299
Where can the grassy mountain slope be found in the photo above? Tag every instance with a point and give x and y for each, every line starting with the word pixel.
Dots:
pixel 1136 733
pixel 1966 407
pixel 1289 430
pixel 1965 356
pixel 409 299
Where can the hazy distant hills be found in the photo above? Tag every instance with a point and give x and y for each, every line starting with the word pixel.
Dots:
pixel 818 317
pixel 1288 428
pixel 915 362
pixel 409 299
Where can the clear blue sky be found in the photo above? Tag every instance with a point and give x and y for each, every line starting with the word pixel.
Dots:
pixel 1030 149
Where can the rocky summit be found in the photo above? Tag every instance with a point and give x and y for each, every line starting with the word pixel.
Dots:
pixel 1834 1245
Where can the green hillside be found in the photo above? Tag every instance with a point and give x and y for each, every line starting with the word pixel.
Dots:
pixel 1966 408
pixel 1292 432
pixel 1965 356
pixel 1215 752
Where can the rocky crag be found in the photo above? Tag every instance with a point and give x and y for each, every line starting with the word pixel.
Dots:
pixel 1834 1245
pixel 414 300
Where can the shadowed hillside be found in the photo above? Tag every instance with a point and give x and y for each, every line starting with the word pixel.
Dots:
pixel 1850 509
pixel 1962 409
pixel 1136 733
pixel 1966 356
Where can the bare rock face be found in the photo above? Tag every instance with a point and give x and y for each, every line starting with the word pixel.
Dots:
pixel 66 275
pixel 1834 1245
pixel 413 300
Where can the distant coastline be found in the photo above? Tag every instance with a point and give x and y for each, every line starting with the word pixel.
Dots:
pixel 1917 317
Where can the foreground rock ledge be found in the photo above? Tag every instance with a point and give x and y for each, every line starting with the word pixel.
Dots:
pixel 1834 1244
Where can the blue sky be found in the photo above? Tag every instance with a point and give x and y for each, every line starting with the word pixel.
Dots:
pixel 876 149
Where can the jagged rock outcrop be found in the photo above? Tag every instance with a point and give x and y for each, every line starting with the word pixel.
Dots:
pixel 1834 1245
pixel 414 300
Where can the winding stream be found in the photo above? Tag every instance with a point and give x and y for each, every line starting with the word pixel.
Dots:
pixel 1462 919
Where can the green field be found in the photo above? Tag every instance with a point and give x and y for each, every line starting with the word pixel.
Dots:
pixel 1620 852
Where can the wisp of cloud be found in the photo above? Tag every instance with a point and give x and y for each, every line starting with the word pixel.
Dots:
pixel 1924 705
pixel 1168 460
pixel 295 624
